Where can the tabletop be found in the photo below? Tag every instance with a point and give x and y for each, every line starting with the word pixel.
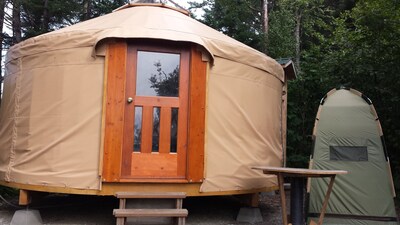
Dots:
pixel 298 172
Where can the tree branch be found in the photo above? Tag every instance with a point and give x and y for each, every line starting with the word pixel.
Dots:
pixel 248 4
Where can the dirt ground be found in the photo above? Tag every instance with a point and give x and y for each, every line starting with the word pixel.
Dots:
pixel 90 210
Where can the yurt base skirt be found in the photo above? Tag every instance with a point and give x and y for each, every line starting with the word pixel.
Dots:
pixel 111 188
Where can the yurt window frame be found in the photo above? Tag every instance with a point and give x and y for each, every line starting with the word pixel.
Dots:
pixel 117 67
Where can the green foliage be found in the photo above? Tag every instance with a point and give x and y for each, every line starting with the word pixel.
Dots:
pixel 239 19
pixel 281 40
pixel 364 53
pixel 102 7
pixel 38 19
pixel 314 18
pixel 60 13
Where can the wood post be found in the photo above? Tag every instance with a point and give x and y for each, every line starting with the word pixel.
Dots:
pixel 283 198
pixel 24 197
pixel 251 200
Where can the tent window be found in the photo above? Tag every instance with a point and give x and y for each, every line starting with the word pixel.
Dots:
pixel 348 153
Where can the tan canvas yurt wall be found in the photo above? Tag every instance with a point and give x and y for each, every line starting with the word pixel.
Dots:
pixel 51 119
pixel 52 109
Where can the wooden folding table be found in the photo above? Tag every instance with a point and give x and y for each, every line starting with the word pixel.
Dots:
pixel 298 177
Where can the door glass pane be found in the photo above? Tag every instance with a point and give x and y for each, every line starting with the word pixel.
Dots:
pixel 156 129
pixel 157 74
pixel 174 129
pixel 137 133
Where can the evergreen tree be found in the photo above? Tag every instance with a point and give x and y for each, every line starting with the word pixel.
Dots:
pixel 241 20
pixel 2 15
pixel 35 17
pixel 42 16
pixel 364 53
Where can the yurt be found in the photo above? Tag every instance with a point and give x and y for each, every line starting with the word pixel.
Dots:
pixel 142 99
pixel 348 136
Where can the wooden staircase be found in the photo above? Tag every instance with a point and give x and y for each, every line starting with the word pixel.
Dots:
pixel 123 213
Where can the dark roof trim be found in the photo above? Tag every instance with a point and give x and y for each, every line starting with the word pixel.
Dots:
pixel 366 99
pixel 323 100
pixel 343 88
pixel 288 67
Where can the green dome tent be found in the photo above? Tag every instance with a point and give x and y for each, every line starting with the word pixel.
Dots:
pixel 348 136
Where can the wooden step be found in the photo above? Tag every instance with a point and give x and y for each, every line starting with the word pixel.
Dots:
pixel 150 212
pixel 123 213
pixel 128 195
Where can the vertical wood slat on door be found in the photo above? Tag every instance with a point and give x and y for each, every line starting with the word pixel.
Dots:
pixel 147 129
pixel 165 130
pixel 183 112
pixel 129 119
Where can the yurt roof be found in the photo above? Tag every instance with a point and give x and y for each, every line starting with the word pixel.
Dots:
pixel 146 21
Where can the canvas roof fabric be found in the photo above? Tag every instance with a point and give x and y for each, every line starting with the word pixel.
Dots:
pixel 348 136
pixel 146 22
pixel 51 112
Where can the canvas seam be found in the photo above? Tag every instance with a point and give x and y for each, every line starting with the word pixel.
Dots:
pixel 15 116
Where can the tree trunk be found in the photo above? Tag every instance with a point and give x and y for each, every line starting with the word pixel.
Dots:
pixel 265 27
pixel 87 9
pixel 16 21
pixel 2 5
pixel 297 37
pixel 45 21
pixel 264 14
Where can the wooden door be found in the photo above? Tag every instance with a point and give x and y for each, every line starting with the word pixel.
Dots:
pixel 156 112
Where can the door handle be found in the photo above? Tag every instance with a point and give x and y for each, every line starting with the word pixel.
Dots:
pixel 129 100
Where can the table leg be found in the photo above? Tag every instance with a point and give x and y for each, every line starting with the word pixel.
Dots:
pixel 297 200
pixel 283 199
pixel 325 204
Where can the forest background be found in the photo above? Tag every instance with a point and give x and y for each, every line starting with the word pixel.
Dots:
pixel 352 43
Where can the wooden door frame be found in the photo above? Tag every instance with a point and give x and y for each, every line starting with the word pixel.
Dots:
pixel 114 111
pixel 180 102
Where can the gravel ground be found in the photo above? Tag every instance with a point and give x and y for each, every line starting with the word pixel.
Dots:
pixel 75 209
pixel 90 210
